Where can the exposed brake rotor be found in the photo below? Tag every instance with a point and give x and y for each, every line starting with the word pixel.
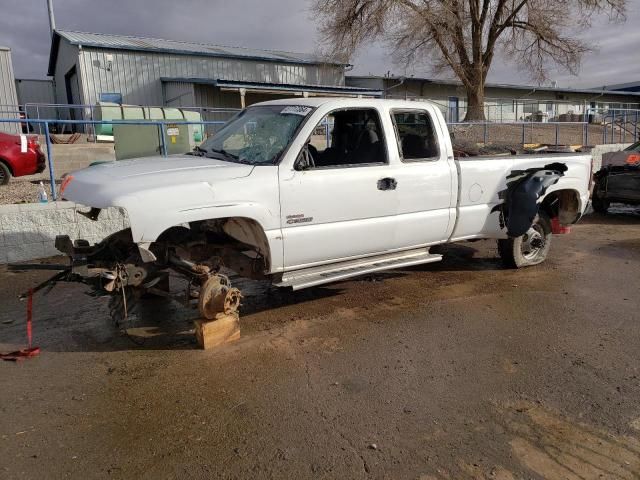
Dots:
pixel 218 297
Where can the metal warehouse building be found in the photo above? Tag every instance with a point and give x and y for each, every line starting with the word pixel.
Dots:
pixel 503 102
pixel 8 96
pixel 35 91
pixel 90 67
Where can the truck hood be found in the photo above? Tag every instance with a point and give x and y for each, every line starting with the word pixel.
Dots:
pixel 103 184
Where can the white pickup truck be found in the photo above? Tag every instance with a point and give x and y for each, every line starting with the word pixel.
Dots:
pixel 307 191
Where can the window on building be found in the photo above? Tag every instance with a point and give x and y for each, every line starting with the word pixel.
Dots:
pixel 505 105
pixel 416 135
pixel 111 97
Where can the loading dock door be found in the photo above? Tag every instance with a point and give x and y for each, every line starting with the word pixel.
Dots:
pixel 73 97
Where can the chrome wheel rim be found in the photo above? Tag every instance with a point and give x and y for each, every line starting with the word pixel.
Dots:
pixel 532 242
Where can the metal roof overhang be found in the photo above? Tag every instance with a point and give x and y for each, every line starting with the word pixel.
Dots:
pixel 529 88
pixel 282 88
pixel 154 45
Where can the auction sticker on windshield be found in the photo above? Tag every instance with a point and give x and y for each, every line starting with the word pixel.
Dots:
pixel 297 110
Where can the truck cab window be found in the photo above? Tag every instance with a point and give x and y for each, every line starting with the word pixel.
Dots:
pixel 348 138
pixel 416 136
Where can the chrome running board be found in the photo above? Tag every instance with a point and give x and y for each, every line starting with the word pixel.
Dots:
pixel 313 276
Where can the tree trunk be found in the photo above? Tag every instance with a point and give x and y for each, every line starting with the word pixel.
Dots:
pixel 475 104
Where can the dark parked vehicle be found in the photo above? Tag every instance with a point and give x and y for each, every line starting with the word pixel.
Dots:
pixel 25 125
pixel 618 180
pixel 19 156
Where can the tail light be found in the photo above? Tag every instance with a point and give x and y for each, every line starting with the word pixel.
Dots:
pixel 32 142
pixel 633 159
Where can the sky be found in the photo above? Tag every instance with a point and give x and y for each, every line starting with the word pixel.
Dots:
pixel 276 24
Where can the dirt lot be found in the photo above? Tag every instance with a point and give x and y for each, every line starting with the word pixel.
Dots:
pixel 448 371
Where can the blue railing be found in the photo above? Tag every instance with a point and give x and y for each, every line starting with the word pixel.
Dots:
pixel 63 111
pixel 623 119
pixel 46 131
pixel 44 125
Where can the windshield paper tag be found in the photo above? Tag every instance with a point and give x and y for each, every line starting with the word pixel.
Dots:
pixel 296 110
pixel 23 144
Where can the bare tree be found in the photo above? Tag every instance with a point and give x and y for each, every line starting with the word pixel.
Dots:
pixel 462 36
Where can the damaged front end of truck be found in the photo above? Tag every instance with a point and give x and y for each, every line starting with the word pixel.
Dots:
pixel 201 254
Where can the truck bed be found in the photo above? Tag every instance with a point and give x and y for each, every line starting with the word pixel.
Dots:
pixel 481 179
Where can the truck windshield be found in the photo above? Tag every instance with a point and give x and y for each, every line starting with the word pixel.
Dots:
pixel 257 135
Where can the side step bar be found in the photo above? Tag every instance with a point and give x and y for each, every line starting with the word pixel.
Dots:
pixel 313 276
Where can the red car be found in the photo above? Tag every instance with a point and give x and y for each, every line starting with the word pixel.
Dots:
pixel 17 159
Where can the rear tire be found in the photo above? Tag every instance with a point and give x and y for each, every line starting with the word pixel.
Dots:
pixel 529 249
pixel 5 174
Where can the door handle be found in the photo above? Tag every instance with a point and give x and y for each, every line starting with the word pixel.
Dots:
pixel 387 183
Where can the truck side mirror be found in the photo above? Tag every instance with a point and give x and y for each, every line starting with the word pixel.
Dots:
pixel 304 160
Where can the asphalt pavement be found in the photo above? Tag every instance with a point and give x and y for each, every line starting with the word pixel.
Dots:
pixel 456 370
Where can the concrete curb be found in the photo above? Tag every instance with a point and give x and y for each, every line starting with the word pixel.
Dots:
pixel 28 231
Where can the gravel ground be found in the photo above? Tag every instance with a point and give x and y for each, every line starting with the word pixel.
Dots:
pixel 22 191
pixel 456 370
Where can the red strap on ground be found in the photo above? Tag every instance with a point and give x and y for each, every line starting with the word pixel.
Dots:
pixel 29 351
pixel 29 317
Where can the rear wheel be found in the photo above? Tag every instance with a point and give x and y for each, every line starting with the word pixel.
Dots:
pixel 5 174
pixel 529 249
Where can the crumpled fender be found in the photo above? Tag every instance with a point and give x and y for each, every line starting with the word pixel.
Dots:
pixel 524 189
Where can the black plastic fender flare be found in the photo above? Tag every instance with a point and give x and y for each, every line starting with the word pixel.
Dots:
pixel 524 189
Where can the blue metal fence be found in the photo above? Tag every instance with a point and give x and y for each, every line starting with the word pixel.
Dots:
pixel 44 127
pixel 64 111
pixel 158 123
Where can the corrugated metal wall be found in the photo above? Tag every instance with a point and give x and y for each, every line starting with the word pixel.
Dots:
pixel 36 91
pixel 210 96
pixel 8 96
pixel 137 74
pixel 67 59
pixel 179 94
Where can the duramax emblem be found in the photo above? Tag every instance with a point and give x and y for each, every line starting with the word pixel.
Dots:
pixel 298 218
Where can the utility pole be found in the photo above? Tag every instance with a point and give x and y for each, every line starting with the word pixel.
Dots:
pixel 52 20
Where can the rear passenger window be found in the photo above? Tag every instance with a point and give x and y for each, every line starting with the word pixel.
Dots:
pixel 417 139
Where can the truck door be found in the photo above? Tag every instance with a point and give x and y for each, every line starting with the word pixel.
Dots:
pixel 427 180
pixel 339 200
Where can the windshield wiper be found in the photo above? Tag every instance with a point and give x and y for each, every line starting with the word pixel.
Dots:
pixel 224 153
pixel 197 151
pixel 230 156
